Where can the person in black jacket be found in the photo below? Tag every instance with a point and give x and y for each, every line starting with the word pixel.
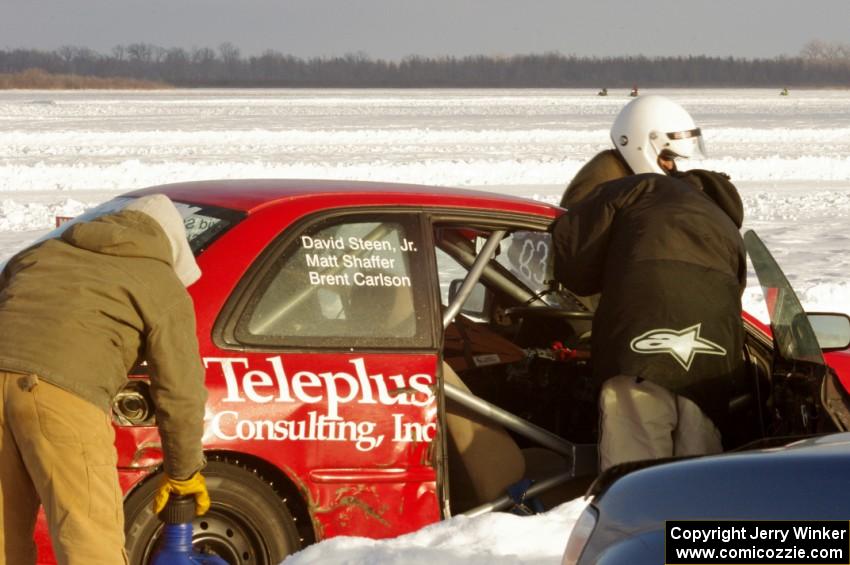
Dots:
pixel 664 250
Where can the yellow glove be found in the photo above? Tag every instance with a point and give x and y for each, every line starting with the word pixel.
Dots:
pixel 194 485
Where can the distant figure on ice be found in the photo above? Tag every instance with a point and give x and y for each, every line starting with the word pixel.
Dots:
pixel 603 92
pixel 634 92
pixel 664 250
pixel 784 92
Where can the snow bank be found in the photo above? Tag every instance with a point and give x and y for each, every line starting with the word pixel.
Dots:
pixel 462 169
pixel 25 143
pixel 80 141
pixel 16 216
pixel 491 539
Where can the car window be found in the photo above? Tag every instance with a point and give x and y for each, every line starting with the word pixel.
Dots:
pixel 527 256
pixel 203 223
pixel 351 282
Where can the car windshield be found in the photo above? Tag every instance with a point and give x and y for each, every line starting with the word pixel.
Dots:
pixel 528 256
pixel 522 267
pixel 203 223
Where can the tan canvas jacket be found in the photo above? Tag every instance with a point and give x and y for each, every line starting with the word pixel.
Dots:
pixel 81 310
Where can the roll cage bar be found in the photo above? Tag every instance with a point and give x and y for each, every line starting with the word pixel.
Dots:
pixel 582 458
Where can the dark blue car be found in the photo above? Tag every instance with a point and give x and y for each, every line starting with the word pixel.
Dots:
pixel 625 524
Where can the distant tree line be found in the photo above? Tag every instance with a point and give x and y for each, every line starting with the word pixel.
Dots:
pixel 818 64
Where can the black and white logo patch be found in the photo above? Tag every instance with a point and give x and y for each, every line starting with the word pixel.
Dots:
pixel 683 345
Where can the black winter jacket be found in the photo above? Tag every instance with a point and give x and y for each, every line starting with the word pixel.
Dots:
pixel 667 255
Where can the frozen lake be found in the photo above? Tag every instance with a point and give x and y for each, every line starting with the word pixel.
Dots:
pixel 61 152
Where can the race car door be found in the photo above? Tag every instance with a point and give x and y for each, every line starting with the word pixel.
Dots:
pixel 335 369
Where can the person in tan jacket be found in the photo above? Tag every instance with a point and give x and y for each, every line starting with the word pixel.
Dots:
pixel 77 312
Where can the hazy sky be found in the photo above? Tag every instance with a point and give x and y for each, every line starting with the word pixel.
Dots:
pixel 395 28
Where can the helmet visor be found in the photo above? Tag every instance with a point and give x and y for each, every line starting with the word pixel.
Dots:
pixel 696 132
pixel 685 143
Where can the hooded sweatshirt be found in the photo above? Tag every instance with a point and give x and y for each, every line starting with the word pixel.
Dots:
pixel 80 311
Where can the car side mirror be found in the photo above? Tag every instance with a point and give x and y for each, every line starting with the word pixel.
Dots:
pixel 831 329
pixel 476 304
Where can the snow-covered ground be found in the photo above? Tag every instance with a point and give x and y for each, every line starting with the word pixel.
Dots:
pixel 491 539
pixel 61 152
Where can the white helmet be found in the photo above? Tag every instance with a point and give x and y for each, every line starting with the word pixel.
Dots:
pixel 650 125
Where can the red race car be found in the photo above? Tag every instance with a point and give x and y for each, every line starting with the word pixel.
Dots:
pixel 381 356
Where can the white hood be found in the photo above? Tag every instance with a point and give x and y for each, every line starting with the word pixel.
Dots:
pixel 160 208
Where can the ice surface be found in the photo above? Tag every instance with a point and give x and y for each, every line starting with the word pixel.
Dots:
pixel 61 152
pixel 790 156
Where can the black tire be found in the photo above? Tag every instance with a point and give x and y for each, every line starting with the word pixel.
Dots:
pixel 247 524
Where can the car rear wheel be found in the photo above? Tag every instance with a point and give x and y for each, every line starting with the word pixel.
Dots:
pixel 247 522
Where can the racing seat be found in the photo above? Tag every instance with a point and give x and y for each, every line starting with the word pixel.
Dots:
pixel 484 460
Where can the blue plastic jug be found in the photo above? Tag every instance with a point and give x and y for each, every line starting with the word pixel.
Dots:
pixel 176 544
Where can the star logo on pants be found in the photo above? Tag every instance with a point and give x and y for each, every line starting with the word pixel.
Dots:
pixel 683 345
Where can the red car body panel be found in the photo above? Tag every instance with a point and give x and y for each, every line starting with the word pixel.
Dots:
pixel 839 361
pixel 254 195
pixel 380 485
pixel 385 491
